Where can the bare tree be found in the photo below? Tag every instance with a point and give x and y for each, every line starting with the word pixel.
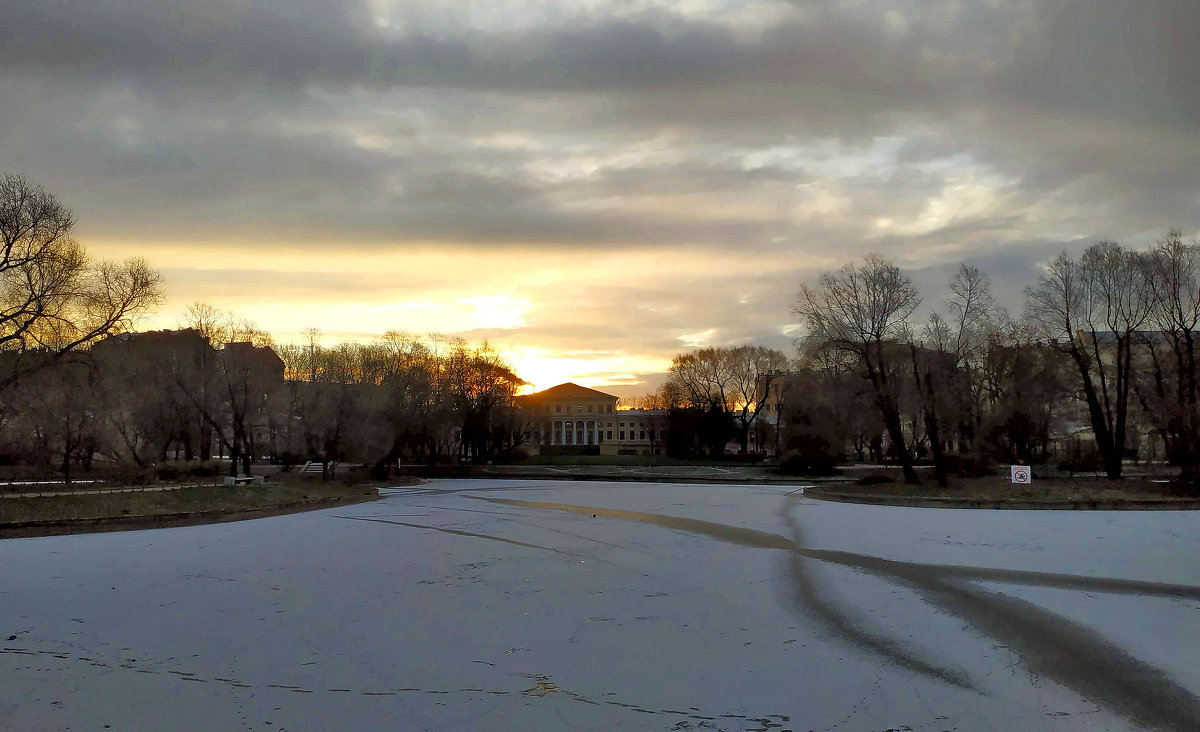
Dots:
pixel 755 370
pixel 482 389
pixel 1024 387
pixel 1168 390
pixel 703 381
pixel 649 401
pixel 53 298
pixel 858 310
pixel 143 412
pixel 1092 309
pixel 58 411
pixel 236 382
pixel 943 359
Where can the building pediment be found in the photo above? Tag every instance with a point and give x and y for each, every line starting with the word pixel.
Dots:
pixel 567 391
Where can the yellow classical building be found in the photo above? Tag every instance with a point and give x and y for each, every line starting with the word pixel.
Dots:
pixel 570 418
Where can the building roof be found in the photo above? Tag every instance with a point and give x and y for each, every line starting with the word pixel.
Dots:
pixel 569 390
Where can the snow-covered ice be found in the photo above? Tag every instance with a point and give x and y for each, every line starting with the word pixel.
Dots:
pixel 490 604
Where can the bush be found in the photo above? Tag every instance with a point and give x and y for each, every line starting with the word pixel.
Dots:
pixel 1081 458
pixel 797 463
pixel 174 470
pixel 876 479
pixel 809 453
pixel 969 466
pixel 288 459
pixel 130 474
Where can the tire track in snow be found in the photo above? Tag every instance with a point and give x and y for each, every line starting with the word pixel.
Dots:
pixel 1049 644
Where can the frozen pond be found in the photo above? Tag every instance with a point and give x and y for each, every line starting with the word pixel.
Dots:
pixel 490 604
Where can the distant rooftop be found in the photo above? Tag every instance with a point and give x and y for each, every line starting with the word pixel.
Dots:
pixel 569 390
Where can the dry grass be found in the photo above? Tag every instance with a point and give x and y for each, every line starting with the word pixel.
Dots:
pixel 196 499
pixel 1042 489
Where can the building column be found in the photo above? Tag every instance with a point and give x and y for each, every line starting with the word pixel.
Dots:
pixel 562 432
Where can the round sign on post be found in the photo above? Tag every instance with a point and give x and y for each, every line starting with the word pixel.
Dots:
pixel 1021 474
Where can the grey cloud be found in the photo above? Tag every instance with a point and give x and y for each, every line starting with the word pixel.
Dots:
pixel 204 45
pixel 243 121
pixel 213 283
pixel 1105 60
pixel 1131 62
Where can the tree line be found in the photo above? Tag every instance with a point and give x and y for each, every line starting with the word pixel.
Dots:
pixel 219 387
pixel 80 386
pixel 1100 364
pixel 1105 348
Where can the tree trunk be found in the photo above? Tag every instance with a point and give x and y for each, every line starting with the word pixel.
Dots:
pixel 891 421
pixel 1104 439
pixel 233 459
pixel 935 447
pixel 896 433
pixel 382 468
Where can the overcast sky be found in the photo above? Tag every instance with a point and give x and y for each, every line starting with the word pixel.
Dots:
pixel 595 185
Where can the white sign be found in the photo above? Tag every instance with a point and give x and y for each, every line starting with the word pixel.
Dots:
pixel 1021 474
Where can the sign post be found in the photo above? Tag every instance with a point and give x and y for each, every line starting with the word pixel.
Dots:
pixel 1021 474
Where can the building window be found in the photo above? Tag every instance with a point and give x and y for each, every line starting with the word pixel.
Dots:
pixel 642 435
pixel 610 433
pixel 558 407
pixel 578 409
pixel 622 434
pixel 547 409
pixel 610 409
pixel 591 407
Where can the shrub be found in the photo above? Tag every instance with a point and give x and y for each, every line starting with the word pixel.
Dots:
pixel 1081 458
pixel 130 474
pixel 798 463
pixel 969 465
pixel 875 479
pixel 809 453
pixel 174 470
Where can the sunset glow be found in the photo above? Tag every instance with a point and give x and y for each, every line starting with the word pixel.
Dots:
pixel 592 187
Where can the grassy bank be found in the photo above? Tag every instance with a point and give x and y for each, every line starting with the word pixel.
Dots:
pixel 996 487
pixel 1137 493
pixel 189 500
